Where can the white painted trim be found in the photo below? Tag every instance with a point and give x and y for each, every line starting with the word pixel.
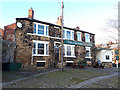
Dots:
pixel 43 36
pixel 88 57
pixel 65 48
pixel 57 42
pixel 43 42
pixel 44 28
pixel 71 56
pixel 41 61
pixel 69 45
pixel 37 41
pixel 56 27
pixel 70 33
pixel 69 61
pixel 40 55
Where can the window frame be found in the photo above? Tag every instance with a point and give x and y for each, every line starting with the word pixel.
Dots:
pixel 71 34
pixel 45 48
pixel 80 36
pixel 86 38
pixel 89 49
pixel 41 62
pixel 72 50
pixel 106 57
pixel 45 29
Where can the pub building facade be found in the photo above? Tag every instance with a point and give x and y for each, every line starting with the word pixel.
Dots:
pixel 38 43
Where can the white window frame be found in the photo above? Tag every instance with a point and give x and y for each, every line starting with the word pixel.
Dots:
pixel 44 29
pixel 72 49
pixel 42 42
pixel 41 61
pixel 88 48
pixel 86 37
pixel 80 36
pixel 71 31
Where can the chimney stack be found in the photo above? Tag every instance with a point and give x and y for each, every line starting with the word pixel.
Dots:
pixel 59 20
pixel 31 13
pixel 78 28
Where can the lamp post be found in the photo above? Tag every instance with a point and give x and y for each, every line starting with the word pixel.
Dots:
pixel 62 39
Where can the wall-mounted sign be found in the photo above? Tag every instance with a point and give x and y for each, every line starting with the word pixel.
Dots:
pixel 79 43
pixel 19 24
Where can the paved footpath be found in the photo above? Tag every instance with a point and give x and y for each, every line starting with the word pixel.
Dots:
pixel 21 79
pixel 93 80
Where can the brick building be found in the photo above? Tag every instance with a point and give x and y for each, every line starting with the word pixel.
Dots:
pixel 1 32
pixel 38 43
pixel 9 32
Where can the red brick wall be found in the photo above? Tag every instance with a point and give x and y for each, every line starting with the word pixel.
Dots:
pixel 9 32
pixel 1 32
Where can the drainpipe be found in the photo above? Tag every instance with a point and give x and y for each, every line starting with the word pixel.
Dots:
pixel 32 57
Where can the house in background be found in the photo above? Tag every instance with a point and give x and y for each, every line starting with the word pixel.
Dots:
pixel 105 56
pixel 9 32
pixel 38 43
pixel 115 54
pixel 110 49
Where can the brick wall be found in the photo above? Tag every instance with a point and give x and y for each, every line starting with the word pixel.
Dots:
pixel 9 32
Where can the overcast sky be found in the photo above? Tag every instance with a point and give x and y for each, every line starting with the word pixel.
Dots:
pixel 89 15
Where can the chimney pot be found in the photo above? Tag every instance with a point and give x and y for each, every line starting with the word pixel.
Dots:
pixel 31 13
pixel 77 27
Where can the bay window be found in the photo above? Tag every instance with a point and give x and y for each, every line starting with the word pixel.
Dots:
pixel 69 50
pixel 41 29
pixel 40 48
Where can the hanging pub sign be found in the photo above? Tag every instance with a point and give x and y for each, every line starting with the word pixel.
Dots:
pixel 80 43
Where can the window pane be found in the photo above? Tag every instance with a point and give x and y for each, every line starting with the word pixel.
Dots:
pixel 34 28
pixel 87 54
pixel 40 64
pixel 116 51
pixel 87 38
pixel 68 35
pixel 47 49
pixel 47 30
pixel 72 35
pixel 63 33
pixel 107 57
pixel 34 45
pixel 73 52
pixel 68 51
pixel 41 29
pixel 79 36
pixel 117 57
pixel 34 48
pixel 40 48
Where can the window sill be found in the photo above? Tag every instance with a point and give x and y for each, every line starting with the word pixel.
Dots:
pixel 70 56
pixel 88 57
pixel 41 55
